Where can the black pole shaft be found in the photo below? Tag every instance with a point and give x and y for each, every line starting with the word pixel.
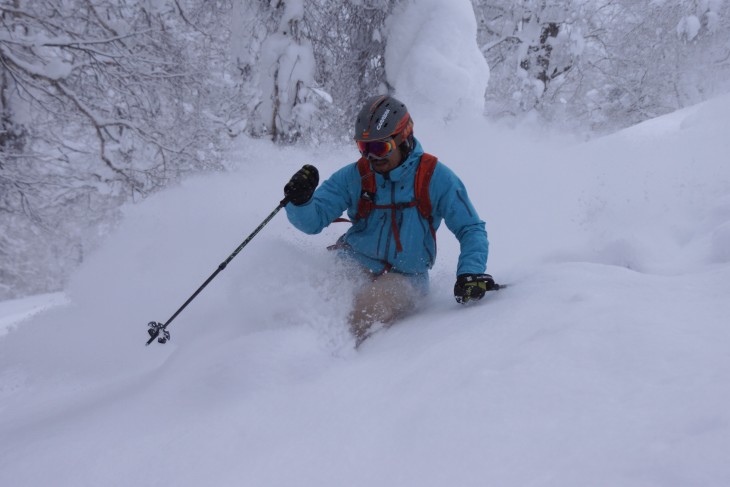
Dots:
pixel 223 265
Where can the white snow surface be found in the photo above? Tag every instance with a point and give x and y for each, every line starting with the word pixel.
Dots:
pixel 606 362
pixel 14 312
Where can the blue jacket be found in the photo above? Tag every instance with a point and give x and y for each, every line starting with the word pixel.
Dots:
pixel 371 242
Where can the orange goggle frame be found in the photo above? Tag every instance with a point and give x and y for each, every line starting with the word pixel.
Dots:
pixel 379 149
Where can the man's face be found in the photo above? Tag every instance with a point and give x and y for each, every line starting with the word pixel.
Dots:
pixel 384 155
pixel 388 164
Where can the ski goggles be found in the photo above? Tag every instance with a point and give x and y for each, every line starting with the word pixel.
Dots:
pixel 378 149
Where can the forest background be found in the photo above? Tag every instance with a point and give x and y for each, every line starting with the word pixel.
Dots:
pixel 103 103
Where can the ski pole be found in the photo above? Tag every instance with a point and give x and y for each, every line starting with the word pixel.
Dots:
pixel 156 328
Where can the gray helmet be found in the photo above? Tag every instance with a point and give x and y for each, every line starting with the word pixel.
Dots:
pixel 382 117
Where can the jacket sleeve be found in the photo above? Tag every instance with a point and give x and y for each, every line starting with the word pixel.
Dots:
pixel 328 202
pixel 451 202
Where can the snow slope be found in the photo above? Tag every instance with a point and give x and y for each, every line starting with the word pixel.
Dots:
pixel 15 312
pixel 605 363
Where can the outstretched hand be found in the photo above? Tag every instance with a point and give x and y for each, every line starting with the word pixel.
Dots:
pixel 301 186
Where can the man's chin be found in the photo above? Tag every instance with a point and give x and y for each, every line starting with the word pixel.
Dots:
pixel 380 165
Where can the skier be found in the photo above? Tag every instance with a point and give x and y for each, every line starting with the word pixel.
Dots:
pixel 396 196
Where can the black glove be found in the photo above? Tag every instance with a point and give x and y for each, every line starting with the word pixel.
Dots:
pixel 471 287
pixel 301 186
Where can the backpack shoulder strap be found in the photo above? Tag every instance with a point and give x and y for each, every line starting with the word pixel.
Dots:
pixel 423 180
pixel 423 198
pixel 367 188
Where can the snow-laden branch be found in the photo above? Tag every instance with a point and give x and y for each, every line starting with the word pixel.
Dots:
pixel 64 41
pixel 52 69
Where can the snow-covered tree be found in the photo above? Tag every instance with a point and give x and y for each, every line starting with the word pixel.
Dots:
pixel 309 56
pixel 602 64
pixel 448 75
pixel 101 101
pixel 285 76
pixel 530 46
pixel 349 48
